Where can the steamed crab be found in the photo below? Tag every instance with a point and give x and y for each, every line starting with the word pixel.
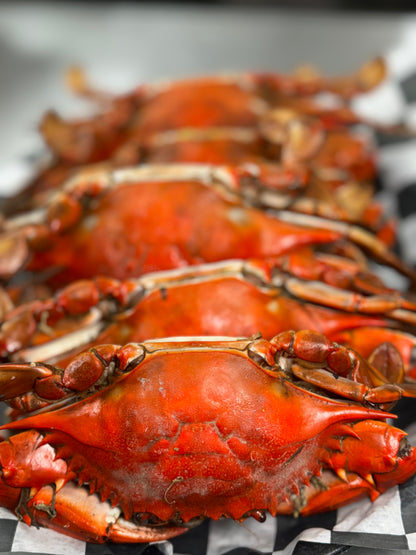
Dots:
pixel 140 442
pixel 306 289
pixel 226 119
pixel 134 220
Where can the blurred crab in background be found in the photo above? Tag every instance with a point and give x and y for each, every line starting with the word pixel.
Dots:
pixel 237 213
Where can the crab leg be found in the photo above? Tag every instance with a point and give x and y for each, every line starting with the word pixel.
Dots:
pixel 357 235
pixel 384 366
pixel 365 340
pixel 268 186
pixel 390 306
pixel 332 363
pixel 381 395
pixel 86 518
pixel 36 386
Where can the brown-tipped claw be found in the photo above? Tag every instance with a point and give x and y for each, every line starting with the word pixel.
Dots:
pixel 86 518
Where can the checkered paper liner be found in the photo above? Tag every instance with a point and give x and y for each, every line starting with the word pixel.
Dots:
pixel 389 524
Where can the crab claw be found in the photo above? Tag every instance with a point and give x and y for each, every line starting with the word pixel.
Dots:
pixel 356 472
pixel 332 491
pixel 37 486
pixel 27 465
pixel 85 517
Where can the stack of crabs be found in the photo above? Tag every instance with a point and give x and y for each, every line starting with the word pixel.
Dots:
pixel 191 327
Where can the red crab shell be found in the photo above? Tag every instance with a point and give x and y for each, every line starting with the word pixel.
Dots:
pixel 126 223
pixel 176 430
pixel 242 298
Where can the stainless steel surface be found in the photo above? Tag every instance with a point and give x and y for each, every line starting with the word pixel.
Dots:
pixel 121 45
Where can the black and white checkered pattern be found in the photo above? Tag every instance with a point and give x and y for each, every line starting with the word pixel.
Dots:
pixel 386 526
